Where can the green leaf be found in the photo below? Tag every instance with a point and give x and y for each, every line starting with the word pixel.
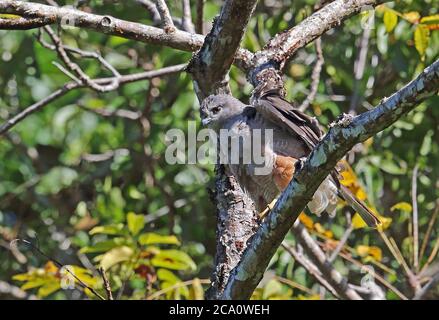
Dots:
pixel 173 259
pixel 390 20
pixel 273 287
pixel 104 245
pixel 154 238
pixel 136 222
pixel 390 167
pixel 56 179
pixel 114 229
pixel 422 38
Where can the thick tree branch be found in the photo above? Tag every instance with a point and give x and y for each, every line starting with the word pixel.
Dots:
pixel 21 23
pixel 236 216
pixel 109 25
pixel 105 24
pixel 342 136
pixel 211 64
pixel 285 44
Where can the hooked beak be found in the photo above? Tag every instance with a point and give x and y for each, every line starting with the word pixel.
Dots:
pixel 206 121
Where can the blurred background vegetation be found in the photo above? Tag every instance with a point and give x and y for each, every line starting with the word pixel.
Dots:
pixel 91 190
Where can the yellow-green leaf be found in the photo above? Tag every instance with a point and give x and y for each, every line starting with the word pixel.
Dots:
pixel 110 229
pixel 434 19
pixel 196 292
pixel 115 256
pixel 166 275
pixel 136 222
pixel 431 22
pixel 273 287
pixel 48 289
pixel 173 259
pixel 403 206
pixel 422 37
pixel 390 20
pixel 154 238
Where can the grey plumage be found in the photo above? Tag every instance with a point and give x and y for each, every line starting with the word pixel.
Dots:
pixel 294 136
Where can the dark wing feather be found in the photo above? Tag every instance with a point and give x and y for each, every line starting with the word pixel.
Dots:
pixel 279 111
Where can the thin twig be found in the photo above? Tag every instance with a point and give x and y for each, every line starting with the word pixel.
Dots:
pixel 429 230
pixel 152 9
pixel 60 49
pixel 8 124
pixel 120 113
pixel 341 243
pixel 375 275
pixel 294 284
pixel 107 286
pixel 310 267
pixel 422 292
pixel 415 219
pixel 199 27
pixel 359 67
pixel 315 76
pixel 186 21
pixel 337 281
pixel 432 255
pixel 168 24
pixel 396 253
pixel 59 265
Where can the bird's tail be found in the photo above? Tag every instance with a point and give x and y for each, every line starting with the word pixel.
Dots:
pixel 366 214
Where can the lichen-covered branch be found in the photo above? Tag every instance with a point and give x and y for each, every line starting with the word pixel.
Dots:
pixel 342 136
pixel 21 23
pixel 279 49
pixel 180 40
pixel 236 216
pixel 210 66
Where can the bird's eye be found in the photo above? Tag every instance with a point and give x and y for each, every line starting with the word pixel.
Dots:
pixel 215 110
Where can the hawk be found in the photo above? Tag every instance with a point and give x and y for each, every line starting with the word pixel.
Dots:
pixel 295 134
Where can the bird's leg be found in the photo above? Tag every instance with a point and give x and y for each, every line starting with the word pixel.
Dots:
pixel 269 207
pixel 299 164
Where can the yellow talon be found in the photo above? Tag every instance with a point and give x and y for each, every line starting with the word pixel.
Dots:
pixel 269 207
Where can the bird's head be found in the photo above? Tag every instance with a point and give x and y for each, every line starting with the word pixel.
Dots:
pixel 217 109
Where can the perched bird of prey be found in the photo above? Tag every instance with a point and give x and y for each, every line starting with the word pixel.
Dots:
pixel 295 134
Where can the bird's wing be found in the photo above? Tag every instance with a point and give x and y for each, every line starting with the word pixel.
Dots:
pixel 279 111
